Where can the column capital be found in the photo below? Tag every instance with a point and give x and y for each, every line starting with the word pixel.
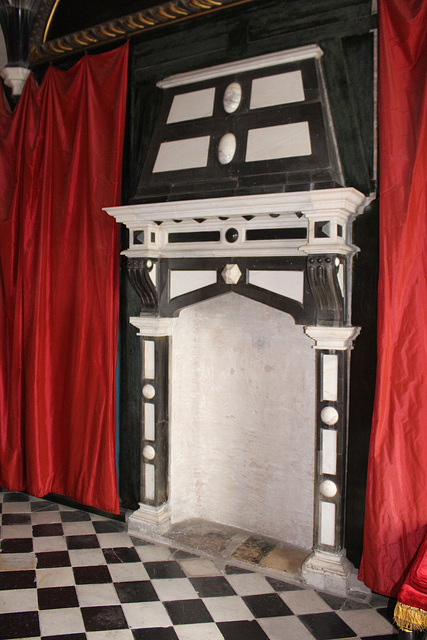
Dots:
pixel 339 338
pixel 153 327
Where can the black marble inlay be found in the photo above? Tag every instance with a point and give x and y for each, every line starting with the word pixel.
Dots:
pixel 121 554
pixel 194 236
pixel 164 569
pixel 25 579
pixel 17 545
pixel 242 630
pixel 92 575
pixel 15 518
pixel 231 235
pixel 211 587
pixel 16 497
pixel 51 559
pixel 188 612
pixel 267 605
pixel 326 626
pixel 335 602
pixel 19 625
pixel 136 591
pixel 138 237
pixel 57 598
pixel 320 229
pixel 68 636
pixel 280 585
pixel 156 633
pixel 138 542
pixel 230 569
pixel 82 542
pixel 42 530
pixel 287 233
pixel 75 516
pixel 108 526
pixel 103 618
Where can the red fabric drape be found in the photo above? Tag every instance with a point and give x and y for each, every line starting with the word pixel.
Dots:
pixel 396 503
pixel 60 163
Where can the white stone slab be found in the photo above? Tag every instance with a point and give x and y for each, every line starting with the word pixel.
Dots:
pixel 149 359
pixel 285 283
pixel 192 105
pixel 190 153
pixel 329 377
pixel 150 481
pixel 149 422
pixel 282 88
pixel 327 523
pixel 329 451
pixel 281 141
pixel 181 282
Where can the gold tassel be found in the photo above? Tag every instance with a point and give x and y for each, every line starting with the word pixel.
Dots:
pixel 410 618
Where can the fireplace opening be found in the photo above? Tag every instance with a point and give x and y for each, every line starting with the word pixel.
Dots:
pixel 241 424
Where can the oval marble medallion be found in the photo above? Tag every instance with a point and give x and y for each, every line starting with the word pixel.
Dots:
pixel 227 148
pixel 232 97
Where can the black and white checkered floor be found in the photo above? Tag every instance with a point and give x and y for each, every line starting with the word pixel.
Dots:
pixel 68 574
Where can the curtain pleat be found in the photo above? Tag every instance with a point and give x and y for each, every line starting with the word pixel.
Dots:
pixel 60 164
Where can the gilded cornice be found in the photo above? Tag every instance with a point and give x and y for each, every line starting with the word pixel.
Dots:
pixel 43 50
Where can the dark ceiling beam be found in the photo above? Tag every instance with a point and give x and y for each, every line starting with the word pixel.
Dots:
pixel 42 51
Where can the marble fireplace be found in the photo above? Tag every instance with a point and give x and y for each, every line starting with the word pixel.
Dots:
pixel 241 253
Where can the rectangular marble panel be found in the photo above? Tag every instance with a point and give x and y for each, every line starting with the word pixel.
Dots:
pixel 327 523
pixel 281 141
pixel 150 481
pixel 329 451
pixel 149 359
pixel 184 281
pixel 282 88
pixel 149 421
pixel 192 105
pixel 285 283
pixel 189 153
pixel 329 377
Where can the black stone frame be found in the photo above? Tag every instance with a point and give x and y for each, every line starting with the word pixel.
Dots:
pixel 323 305
pixel 323 302
pixel 341 427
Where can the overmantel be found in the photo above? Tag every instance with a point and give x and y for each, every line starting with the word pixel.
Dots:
pixel 317 221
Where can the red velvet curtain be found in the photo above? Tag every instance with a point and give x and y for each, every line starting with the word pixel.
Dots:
pixel 60 163
pixel 396 505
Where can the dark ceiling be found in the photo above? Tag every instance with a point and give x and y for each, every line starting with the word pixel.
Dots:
pixel 64 27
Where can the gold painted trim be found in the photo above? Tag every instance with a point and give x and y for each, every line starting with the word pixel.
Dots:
pixel 163 13
pixel 119 28
pixel 50 19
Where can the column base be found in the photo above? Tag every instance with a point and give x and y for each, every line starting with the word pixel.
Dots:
pixel 149 521
pixel 330 572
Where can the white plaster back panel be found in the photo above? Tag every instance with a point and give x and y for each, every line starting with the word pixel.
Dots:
pixel 242 419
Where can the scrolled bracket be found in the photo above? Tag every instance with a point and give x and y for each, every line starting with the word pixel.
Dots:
pixel 322 273
pixel 139 270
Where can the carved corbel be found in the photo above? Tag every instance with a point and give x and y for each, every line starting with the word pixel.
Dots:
pixel 139 270
pixel 322 273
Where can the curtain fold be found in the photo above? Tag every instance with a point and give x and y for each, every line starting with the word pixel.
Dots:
pixel 60 163
pixel 396 502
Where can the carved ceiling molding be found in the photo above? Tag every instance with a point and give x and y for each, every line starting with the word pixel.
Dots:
pixel 42 51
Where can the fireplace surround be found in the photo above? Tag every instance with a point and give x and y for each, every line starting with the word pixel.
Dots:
pixel 184 252
pixel 242 193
